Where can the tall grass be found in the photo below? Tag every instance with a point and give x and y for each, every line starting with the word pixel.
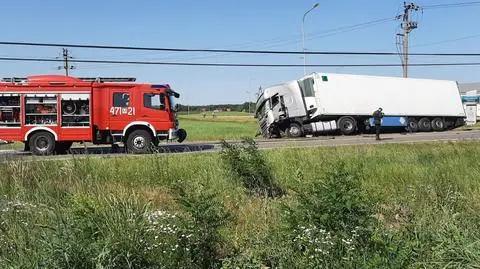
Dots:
pixel 384 206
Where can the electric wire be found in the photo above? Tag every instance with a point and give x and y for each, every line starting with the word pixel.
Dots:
pixel 232 64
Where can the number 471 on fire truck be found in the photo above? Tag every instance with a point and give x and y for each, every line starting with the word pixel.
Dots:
pixel 49 113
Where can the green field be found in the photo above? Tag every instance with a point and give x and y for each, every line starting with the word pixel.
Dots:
pixel 226 125
pixel 383 206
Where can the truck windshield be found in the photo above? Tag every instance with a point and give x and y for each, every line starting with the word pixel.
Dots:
pixel 171 102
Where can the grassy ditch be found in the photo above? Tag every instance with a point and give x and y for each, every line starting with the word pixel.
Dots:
pixel 383 206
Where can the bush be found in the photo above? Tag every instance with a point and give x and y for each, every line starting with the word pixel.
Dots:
pixel 247 163
pixel 206 216
pixel 333 222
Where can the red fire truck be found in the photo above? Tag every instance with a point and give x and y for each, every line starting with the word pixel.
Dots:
pixel 49 113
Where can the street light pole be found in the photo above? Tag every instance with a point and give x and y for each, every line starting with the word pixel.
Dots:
pixel 248 100
pixel 303 38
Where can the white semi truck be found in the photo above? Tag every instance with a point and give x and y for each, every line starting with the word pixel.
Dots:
pixel 339 102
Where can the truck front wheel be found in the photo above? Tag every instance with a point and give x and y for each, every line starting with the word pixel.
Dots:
pixel 139 141
pixel 347 125
pixel 294 130
pixel 42 143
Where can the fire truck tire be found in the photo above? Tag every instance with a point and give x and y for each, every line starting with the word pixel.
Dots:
pixel 139 141
pixel 182 135
pixel 42 143
pixel 63 147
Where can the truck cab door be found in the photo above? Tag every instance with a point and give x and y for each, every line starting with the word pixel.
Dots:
pixel 156 110
pixel 122 109
pixel 308 92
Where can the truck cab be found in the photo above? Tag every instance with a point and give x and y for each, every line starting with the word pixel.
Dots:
pixel 137 115
pixel 280 107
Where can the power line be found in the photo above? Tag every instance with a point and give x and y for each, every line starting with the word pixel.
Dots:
pixel 283 41
pixel 233 64
pixel 452 5
pixel 228 51
pixel 446 41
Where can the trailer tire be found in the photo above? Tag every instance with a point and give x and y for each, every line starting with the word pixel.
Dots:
pixel 294 130
pixel 424 125
pixel 63 147
pixel 139 141
pixel 438 124
pixel 347 125
pixel 41 143
pixel 412 125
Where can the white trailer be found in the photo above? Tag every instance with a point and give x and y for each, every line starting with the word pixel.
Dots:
pixel 326 102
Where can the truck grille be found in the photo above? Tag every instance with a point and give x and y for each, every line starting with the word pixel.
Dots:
pixel 264 126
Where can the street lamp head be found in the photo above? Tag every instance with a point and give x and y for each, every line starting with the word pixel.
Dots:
pixel 316 5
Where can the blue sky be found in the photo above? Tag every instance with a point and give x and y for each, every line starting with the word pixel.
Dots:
pixel 260 24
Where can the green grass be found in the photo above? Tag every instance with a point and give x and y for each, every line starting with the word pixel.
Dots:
pixel 92 212
pixel 14 146
pixel 208 114
pixel 226 125
pixel 209 130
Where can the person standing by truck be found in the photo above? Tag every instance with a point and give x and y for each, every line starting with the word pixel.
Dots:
pixel 377 117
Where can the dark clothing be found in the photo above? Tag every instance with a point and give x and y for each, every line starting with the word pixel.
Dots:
pixel 377 116
pixel 377 131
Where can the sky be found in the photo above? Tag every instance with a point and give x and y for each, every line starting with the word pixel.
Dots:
pixel 229 24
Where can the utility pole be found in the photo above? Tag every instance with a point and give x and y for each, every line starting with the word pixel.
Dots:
pixel 407 26
pixel 66 65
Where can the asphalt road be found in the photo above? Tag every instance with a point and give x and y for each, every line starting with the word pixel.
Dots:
pixel 213 146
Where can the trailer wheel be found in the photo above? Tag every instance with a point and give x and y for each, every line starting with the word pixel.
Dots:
pixel 42 143
pixel 438 124
pixel 294 130
pixel 138 142
pixel 424 125
pixel 347 125
pixel 412 125
pixel 63 147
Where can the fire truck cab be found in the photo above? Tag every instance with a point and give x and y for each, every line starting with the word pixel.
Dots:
pixel 49 113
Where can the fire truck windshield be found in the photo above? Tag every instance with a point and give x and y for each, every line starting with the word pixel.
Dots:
pixel 171 102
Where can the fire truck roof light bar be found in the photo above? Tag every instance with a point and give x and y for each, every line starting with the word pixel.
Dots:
pixel 14 80
pixel 101 79
pixel 92 79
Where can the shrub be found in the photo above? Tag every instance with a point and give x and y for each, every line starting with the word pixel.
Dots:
pixel 246 162
pixel 333 221
pixel 206 216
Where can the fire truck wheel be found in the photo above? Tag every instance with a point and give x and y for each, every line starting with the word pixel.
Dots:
pixel 181 134
pixel 139 142
pixel 42 143
pixel 63 147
